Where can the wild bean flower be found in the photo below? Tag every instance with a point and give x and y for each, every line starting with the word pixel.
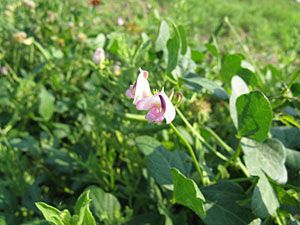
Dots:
pixel 99 56
pixel 159 106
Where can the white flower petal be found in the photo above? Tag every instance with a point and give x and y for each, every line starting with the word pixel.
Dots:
pixel 169 108
pixel 148 102
pixel 142 86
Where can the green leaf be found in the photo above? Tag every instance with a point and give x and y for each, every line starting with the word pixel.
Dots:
pixel 289 136
pixel 238 88
pixel 212 49
pixel 268 157
pixel 105 206
pixel 53 215
pixel 160 162
pixel 231 64
pixel 187 193
pixel 295 88
pixel 254 115
pixel 173 46
pixel 147 144
pixel 182 34
pixel 222 205
pixel 292 159
pixel 197 56
pixel 264 202
pixel 163 37
pixel 195 82
pixel 82 209
pixel 249 77
pixel 2 220
pixel 46 107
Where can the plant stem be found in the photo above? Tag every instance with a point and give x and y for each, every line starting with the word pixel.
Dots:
pixel 218 139
pixel 278 219
pixel 197 135
pixel 191 151
pixel 246 50
pixel 135 117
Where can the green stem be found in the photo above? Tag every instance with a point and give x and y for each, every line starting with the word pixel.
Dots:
pixel 42 50
pixel 197 135
pixel 135 117
pixel 191 151
pixel 243 179
pixel 218 139
pixel 278 219
pixel 246 51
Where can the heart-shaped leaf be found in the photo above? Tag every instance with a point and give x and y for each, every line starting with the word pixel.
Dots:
pixel 187 193
pixel 268 157
pixel 254 113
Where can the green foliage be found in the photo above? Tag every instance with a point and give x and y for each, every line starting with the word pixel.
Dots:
pixel 82 216
pixel 268 157
pixel 264 202
pixel 105 205
pixel 187 193
pixel 46 107
pixel 225 200
pixel 160 162
pixel 75 151
pixel 231 65
pixel 254 114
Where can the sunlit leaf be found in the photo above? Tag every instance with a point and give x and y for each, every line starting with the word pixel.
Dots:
pixel 46 107
pixel 254 115
pixel 268 156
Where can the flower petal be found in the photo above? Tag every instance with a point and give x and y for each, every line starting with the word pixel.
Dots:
pixel 167 107
pixel 130 91
pixel 142 89
pixel 148 103
pixel 155 115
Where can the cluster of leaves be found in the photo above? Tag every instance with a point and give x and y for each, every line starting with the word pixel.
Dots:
pixel 69 145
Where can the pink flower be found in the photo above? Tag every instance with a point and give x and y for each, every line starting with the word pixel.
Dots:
pixel 99 56
pixel 141 88
pixel 160 107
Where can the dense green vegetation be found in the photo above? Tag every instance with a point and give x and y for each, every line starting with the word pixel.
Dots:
pixel 74 149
